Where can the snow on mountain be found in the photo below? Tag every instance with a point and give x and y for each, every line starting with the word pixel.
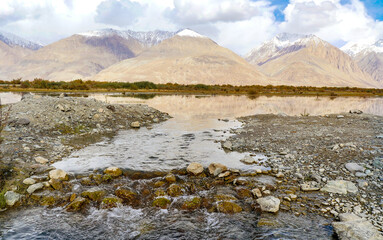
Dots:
pixel 147 38
pixel 281 44
pixel 13 40
pixel 189 33
pixel 354 49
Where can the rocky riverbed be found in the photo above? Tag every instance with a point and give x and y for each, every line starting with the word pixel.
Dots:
pixel 327 165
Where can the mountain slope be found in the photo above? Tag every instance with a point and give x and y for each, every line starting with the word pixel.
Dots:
pixel 306 60
pixel 369 57
pixel 186 58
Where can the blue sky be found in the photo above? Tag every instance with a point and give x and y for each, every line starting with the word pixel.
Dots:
pixel 239 25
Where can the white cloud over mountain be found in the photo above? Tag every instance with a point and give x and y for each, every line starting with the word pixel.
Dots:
pixel 236 24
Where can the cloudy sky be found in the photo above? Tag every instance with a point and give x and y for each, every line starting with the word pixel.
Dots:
pixel 236 24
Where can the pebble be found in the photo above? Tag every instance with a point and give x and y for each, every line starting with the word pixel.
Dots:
pixel 34 187
pixel 29 181
pixel 41 160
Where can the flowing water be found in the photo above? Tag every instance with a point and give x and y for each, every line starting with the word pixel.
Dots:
pixel 192 135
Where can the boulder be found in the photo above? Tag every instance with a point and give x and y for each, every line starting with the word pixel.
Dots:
pixel 41 160
pixel 11 198
pixel 170 178
pixel 58 174
pixel 56 184
pixel 257 193
pixel 110 202
pixel 194 168
pixel 127 195
pixel 113 171
pixel 77 204
pixel 269 204
pixel 340 187
pixel 228 207
pixel 94 194
pixel 29 181
pixel 354 167
pixel 161 202
pixel 216 168
pixel 248 160
pixel 192 204
pixel 227 145
pixel 34 187
pixel 174 190
pixel 354 227
pixel 135 125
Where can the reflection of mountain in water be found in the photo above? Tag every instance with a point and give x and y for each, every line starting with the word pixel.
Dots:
pixel 190 107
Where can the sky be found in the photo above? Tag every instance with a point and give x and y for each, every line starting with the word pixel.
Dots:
pixel 239 25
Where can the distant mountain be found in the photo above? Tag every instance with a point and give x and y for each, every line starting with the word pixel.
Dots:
pixel 83 55
pixel 13 41
pixel 368 56
pixel 306 60
pixel 186 58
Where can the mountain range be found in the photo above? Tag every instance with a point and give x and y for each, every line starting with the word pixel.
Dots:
pixel 186 57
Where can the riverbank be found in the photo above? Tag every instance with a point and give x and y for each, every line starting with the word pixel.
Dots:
pixel 305 154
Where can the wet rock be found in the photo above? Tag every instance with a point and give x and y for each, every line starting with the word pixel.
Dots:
pixel 227 145
pixel 228 207
pixel 354 167
pixel 110 202
pixel 34 187
pixel 113 171
pixel 269 204
pixel 174 190
pixel 216 168
pixel 224 197
pixel 159 184
pixel 224 174
pixel 194 168
pixel 192 204
pixel 378 163
pixel 170 178
pixel 248 160
pixel 23 122
pixel 135 124
pixel 161 202
pixel 56 184
pixel 58 174
pixel 127 195
pixel 339 116
pixel 41 160
pixel 310 186
pixel 356 111
pixel 77 204
pixel 94 194
pixel 354 227
pixel 29 181
pixel 243 193
pixel 11 198
pixel 340 186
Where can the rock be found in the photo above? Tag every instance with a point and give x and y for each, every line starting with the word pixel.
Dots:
pixel 310 186
pixel 256 192
pixel 11 198
pixel 380 136
pixel 224 174
pixel 216 168
pixel 34 187
pixel 279 175
pixel 248 160
pixel 161 202
pixel 23 122
pixel 354 227
pixel 94 194
pixel 340 116
pixel 113 171
pixel 135 125
pixel 127 195
pixel 356 111
pixel 354 167
pixel 378 163
pixel 41 160
pixel 29 181
pixel 340 186
pixel 194 168
pixel 227 145
pixel 360 174
pixel 269 204
pixel 170 178
pixel 76 205
pixel 56 184
pixel 192 204
pixel 228 207
pixel 58 174
pixel 110 202
pixel 362 183
pixel 174 190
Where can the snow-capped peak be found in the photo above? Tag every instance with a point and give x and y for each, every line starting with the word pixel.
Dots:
pixel 13 40
pixel 148 38
pixel 189 33
pixel 354 49
pixel 287 39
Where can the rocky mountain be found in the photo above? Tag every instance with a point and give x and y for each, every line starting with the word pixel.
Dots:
pixel 368 56
pixel 306 60
pixel 14 48
pixel 186 58
pixel 83 55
